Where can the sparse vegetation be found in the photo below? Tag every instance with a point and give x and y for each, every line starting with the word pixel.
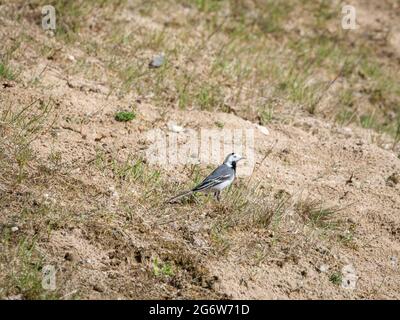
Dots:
pixel 78 190
pixel 162 269
pixel 318 216
pixel 24 274
pixel 5 72
pixel 20 261
pixel 125 116
pixel 336 278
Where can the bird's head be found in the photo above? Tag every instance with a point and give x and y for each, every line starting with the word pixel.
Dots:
pixel 232 158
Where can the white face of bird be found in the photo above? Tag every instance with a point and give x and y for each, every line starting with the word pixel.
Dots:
pixel 233 157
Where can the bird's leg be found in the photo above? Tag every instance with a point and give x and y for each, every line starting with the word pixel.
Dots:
pixel 217 195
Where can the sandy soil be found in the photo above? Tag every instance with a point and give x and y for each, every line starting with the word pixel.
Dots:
pixel 102 253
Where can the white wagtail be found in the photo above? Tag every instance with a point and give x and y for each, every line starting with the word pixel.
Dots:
pixel 218 180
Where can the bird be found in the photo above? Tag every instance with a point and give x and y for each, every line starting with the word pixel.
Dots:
pixel 217 180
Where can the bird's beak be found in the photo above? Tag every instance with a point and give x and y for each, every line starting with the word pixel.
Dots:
pixel 242 158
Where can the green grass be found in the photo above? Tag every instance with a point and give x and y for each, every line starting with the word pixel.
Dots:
pixel 245 57
pixel 23 275
pixel 219 124
pixel 273 15
pixel 71 15
pixel 347 238
pixel 346 98
pixel 21 260
pixel 130 170
pixel 328 221
pixel 208 6
pixel 161 269
pixel 6 72
pixel 220 239
pixel 345 116
pixel 133 172
pixel 251 207
pixel 24 126
pixel 28 277
pixel 336 278
pixel 237 55
pixel 209 97
pixel 368 121
pixel 266 115
pixel 124 116
pixel 319 216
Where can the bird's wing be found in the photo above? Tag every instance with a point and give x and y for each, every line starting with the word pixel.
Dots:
pixel 221 174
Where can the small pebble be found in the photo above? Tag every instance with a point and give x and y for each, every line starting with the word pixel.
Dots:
pixel 157 61
pixel 98 288
pixel 323 268
pixel 349 278
pixel 263 130
pixel 394 261
pixel 14 229
pixel 175 128
pixel 71 58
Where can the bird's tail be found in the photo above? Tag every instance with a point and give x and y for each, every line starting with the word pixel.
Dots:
pixel 179 196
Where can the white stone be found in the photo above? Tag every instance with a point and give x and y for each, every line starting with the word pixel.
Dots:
pixel 323 268
pixel 349 277
pixel 263 130
pixel 394 261
pixel 175 128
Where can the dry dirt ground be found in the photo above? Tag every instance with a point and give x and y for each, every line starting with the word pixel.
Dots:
pixel 319 218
